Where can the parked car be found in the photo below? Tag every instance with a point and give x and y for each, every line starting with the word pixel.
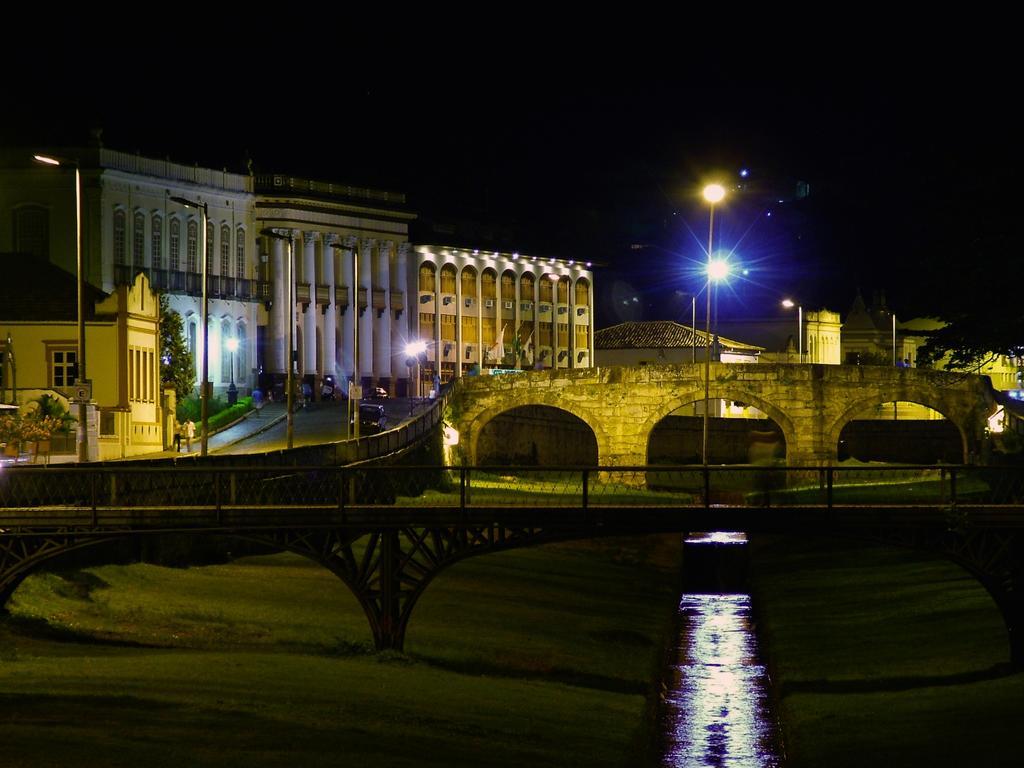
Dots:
pixel 372 419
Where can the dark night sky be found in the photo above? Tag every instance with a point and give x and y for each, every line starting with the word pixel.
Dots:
pixel 908 160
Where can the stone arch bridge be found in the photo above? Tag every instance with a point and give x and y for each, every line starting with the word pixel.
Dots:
pixel 810 403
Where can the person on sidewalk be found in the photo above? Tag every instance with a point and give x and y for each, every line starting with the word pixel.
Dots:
pixel 177 436
pixel 190 432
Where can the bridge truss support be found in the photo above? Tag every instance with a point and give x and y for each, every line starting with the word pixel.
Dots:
pixel 388 569
pixel 994 556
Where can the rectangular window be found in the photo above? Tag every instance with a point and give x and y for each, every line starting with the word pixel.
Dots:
pixel 240 253
pixel 468 329
pixel 427 325
pixel 489 336
pixel 156 243
pixel 138 240
pixel 61 362
pixel 225 251
pixel 448 327
pixel 175 245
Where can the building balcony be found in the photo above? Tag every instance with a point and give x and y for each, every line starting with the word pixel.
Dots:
pixel 191 283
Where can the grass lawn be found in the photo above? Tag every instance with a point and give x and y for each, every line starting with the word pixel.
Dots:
pixel 886 655
pixel 531 657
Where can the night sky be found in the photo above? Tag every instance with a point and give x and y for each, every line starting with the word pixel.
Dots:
pixel 908 161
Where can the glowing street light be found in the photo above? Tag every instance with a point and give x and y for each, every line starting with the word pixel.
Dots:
pixel 84 454
pixel 204 397
pixel 789 304
pixel 717 269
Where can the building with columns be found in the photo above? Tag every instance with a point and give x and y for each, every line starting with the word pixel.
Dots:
pixel 350 269
pixel 333 260
pixel 476 310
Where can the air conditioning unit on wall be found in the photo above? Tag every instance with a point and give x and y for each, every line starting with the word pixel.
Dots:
pixel 489 303
pixel 509 304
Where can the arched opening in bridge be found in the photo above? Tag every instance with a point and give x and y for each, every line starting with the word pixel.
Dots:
pixel 900 432
pixel 738 433
pixel 536 435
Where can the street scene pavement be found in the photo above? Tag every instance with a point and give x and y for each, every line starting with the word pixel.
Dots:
pixel 265 429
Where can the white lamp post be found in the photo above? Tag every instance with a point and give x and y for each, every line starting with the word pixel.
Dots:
pixel 789 304
pixel 84 453
pixel 716 270
pixel 204 395
pixel 286 235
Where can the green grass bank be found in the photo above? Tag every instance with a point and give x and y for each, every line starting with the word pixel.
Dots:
pixel 884 654
pixel 540 657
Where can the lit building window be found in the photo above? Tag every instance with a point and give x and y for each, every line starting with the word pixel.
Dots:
pixel 175 245
pixel 138 240
pixel 119 235
pixel 240 252
pixel 156 237
pixel 211 234
pixel 447 279
pixel 192 252
pixel 225 251
pixel 427 277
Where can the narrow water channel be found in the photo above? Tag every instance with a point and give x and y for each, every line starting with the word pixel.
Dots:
pixel 716 712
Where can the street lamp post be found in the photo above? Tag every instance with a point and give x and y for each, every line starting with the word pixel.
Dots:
pixel 789 304
pixel 413 351
pixel 355 390
pixel 84 453
pixel 204 398
pixel 286 236
pixel 232 345
pixel 716 270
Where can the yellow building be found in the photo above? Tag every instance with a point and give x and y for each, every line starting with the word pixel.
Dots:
pixel 38 314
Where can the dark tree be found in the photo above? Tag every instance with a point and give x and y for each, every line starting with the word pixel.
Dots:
pixel 176 366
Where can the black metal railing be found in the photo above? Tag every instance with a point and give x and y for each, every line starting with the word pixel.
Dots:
pixel 191 283
pixel 166 497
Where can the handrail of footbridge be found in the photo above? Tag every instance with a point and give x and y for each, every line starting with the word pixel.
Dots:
pixel 144 498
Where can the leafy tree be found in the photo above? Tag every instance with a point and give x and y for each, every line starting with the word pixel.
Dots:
pixel 175 359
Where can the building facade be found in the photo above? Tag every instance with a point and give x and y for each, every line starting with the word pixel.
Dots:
pixel 476 310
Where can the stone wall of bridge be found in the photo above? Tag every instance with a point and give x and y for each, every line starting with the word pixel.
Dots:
pixel 810 403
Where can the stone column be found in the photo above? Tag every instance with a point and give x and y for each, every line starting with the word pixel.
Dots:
pixel 403 325
pixel 459 309
pixel 364 280
pixel 348 318
pixel 382 320
pixel 329 361
pixel 309 313
pixel 277 317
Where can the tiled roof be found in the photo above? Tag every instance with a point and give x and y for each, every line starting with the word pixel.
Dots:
pixel 658 334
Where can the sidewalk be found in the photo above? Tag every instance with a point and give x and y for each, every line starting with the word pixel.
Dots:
pixel 251 424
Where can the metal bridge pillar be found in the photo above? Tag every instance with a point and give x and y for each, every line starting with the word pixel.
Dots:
pixel 390 633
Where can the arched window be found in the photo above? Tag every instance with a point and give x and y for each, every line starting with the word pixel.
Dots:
pixel 427 271
pixel 138 240
pixel 241 356
pixel 582 293
pixel 225 350
pixel 175 245
pixel 447 279
pixel 239 252
pixel 32 231
pixel 468 282
pixel 192 251
pixel 193 343
pixel 225 251
pixel 119 235
pixel 211 234
pixel 156 242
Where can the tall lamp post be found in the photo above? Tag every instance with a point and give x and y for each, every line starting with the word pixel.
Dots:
pixel 716 270
pixel 83 430
pixel 789 304
pixel 413 351
pixel 355 390
pixel 286 236
pixel 204 399
pixel 232 345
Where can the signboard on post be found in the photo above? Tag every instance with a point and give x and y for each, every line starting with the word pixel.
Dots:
pixel 355 391
pixel 83 390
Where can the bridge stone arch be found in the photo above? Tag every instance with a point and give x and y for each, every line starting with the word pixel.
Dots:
pixel 474 429
pixel 727 391
pixel 967 416
pixel 810 403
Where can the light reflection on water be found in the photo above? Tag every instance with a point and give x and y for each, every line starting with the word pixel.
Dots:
pixel 717 712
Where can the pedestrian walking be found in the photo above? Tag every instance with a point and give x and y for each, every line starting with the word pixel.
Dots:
pixel 190 432
pixel 177 436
